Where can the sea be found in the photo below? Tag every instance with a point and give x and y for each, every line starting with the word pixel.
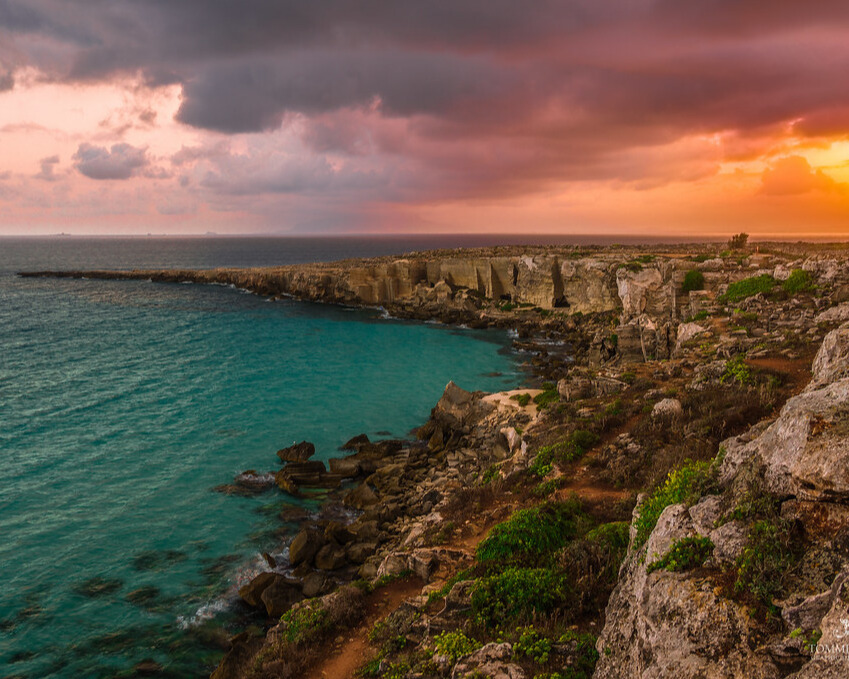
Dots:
pixel 124 404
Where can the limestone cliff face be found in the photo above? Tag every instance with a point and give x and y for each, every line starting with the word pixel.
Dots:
pixel 683 625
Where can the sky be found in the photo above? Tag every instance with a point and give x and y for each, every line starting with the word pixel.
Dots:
pixel 665 117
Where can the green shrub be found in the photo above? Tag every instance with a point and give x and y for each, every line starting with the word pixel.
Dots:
pixel 614 535
pixel 442 592
pixel 736 370
pixel 798 281
pixel 548 395
pixel 490 475
pixel 748 287
pixel 700 258
pixel 546 488
pixel 769 553
pixel 573 448
pixel 521 399
pixel 455 645
pixel 684 555
pixel 517 593
pixel 687 485
pixel 302 624
pixel 531 534
pixel 585 659
pixel 700 316
pixel 531 644
pixel 754 503
pixel 645 259
pixel 694 280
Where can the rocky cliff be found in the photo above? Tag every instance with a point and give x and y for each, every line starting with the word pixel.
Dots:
pixel 484 286
pixel 771 598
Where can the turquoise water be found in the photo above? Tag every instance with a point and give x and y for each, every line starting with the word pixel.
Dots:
pixel 122 404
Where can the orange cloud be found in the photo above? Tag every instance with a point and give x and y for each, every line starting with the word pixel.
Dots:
pixel 793 175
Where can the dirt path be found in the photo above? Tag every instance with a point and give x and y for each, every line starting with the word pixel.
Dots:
pixel 795 373
pixel 351 650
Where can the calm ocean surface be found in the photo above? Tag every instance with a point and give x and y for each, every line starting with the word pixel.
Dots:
pixel 122 404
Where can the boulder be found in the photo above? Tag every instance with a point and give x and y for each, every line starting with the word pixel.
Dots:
pixel 285 483
pixel 830 656
pixel 360 497
pixel 672 626
pixel 493 661
pixel 422 562
pixel 298 452
pixel 355 443
pixel 315 584
pixel 668 410
pixel 836 314
pixel 279 596
pixel 686 332
pixel 358 552
pixel 237 663
pixel 330 557
pixel 304 546
pixel 252 592
pixel 346 466
pixel 832 359
pixel 805 452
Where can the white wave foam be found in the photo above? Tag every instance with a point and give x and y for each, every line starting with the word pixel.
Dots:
pixel 205 612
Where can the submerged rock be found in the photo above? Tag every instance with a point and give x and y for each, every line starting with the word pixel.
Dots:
pixel 98 586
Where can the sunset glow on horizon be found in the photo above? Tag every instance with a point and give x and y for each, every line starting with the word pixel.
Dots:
pixel 650 117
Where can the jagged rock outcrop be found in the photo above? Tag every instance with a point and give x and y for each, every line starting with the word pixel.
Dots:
pixel 684 624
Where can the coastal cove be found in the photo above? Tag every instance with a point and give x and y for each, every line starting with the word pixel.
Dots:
pixel 125 402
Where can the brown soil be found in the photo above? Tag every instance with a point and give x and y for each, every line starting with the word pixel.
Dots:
pixel 795 373
pixel 351 649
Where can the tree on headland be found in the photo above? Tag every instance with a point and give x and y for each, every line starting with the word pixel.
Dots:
pixel 739 241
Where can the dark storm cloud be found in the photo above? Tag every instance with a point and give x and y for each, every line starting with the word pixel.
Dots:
pixel 252 94
pixel 122 161
pixel 496 93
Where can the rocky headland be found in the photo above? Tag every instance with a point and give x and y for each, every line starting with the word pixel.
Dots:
pixel 671 499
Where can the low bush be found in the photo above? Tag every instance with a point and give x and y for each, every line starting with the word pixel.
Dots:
pixel 687 485
pixel 586 656
pixel 569 450
pixel 748 287
pixel 798 281
pixel 684 555
pixel 591 566
pixel 531 644
pixel 454 645
pixel 533 534
pixel 736 370
pixel 694 280
pixel 549 395
pixel 770 552
pixel 521 399
pixel 517 594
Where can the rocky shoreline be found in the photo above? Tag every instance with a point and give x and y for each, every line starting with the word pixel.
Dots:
pixel 671 501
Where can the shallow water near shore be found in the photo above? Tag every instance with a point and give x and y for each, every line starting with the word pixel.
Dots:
pixel 122 404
